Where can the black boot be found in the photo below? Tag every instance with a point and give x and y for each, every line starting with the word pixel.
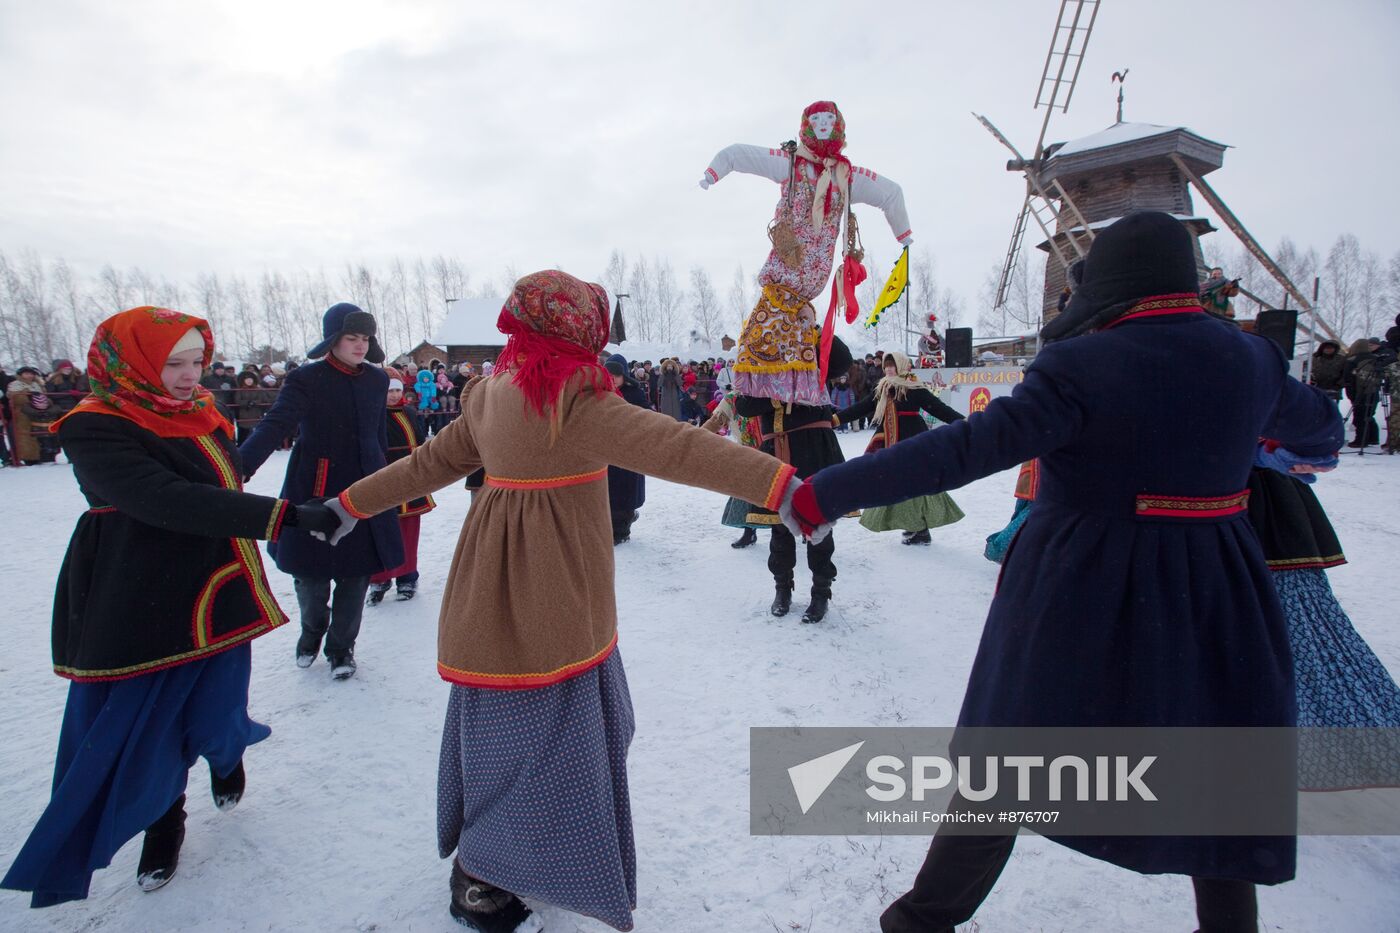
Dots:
pixel 748 537
pixel 782 600
pixel 821 600
pixel 816 609
pixel 227 791
pixel 376 594
pixel 160 852
pixel 484 907
pixel 918 537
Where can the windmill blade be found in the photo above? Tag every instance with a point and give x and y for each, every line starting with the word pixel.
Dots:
pixel 1062 63
pixel 1013 253
pixel 1001 137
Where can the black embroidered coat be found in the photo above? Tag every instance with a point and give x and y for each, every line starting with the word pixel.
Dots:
pixel 906 422
pixel 162 568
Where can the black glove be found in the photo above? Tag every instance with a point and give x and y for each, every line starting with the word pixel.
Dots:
pixel 316 516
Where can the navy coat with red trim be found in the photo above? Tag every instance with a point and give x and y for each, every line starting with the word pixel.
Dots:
pixel 1118 606
pixel 161 569
pixel 340 414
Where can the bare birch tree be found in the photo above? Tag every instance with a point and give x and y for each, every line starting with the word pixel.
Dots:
pixel 705 305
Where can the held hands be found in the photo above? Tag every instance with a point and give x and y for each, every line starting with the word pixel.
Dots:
pixel 325 520
pixel 801 514
pixel 1285 461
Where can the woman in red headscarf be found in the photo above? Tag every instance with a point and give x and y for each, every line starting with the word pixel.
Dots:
pixel 532 780
pixel 158 598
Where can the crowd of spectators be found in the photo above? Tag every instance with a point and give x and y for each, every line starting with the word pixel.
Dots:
pixel 1366 374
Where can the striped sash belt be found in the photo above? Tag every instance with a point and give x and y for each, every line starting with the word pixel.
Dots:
pixel 1192 507
pixel 547 482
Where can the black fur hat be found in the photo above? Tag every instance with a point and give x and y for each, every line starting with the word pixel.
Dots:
pixel 1144 254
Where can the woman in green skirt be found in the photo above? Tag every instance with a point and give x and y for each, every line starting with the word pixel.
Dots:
pixel 895 407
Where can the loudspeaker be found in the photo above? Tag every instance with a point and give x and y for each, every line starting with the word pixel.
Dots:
pixel 1279 326
pixel 957 347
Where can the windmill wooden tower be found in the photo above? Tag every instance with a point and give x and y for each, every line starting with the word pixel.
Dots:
pixel 1077 187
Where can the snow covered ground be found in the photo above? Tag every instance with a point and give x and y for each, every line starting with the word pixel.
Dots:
pixel 336 831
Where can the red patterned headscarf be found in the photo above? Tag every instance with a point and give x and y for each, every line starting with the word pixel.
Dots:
pixel 555 325
pixel 830 147
pixel 125 361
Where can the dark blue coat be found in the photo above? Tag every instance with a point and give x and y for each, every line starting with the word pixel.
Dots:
pixel 1104 616
pixel 341 419
pixel 627 491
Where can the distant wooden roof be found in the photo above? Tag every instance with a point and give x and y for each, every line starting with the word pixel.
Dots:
pixel 1125 143
pixel 471 322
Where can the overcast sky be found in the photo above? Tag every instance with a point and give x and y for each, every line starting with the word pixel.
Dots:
pixel 238 136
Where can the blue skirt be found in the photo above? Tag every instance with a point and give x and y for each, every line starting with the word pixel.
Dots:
pixel 997 544
pixel 124 755
pixel 1341 684
pixel 532 791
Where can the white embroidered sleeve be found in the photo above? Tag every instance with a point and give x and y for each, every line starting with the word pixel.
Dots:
pixel 751 160
pixel 869 188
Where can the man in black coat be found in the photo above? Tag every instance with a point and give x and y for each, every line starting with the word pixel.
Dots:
pixel 220 381
pixel 1328 362
pixel 803 436
pixel 336 406
pixel 1362 377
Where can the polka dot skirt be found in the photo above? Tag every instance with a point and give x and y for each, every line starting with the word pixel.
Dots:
pixel 1342 687
pixel 532 791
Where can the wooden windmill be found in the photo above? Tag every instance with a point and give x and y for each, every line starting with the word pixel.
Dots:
pixel 1046 201
pixel 1077 187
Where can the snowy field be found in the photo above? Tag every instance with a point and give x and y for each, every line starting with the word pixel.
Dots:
pixel 336 831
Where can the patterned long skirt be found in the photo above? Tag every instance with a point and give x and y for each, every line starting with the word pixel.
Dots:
pixel 1341 685
pixel 124 756
pixel 532 791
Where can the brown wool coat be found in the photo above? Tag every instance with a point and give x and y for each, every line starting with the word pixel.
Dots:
pixel 529 599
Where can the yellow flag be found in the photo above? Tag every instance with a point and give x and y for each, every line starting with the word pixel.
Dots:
pixel 893 290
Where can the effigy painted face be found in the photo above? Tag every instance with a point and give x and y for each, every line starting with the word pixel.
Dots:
pixel 822 124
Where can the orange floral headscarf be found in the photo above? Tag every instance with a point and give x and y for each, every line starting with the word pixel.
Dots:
pixel 125 361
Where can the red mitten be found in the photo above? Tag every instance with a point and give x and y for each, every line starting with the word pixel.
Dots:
pixel 805 508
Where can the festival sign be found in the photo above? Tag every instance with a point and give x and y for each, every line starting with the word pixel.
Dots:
pixel 973 389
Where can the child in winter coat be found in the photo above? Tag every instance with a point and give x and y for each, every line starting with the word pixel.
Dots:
pixel 406 434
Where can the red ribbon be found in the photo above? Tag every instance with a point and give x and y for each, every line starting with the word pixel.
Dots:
pixel 852 274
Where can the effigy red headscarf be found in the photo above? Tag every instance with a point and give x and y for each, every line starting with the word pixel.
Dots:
pixel 833 169
pixel 125 361
pixel 834 174
pixel 555 325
